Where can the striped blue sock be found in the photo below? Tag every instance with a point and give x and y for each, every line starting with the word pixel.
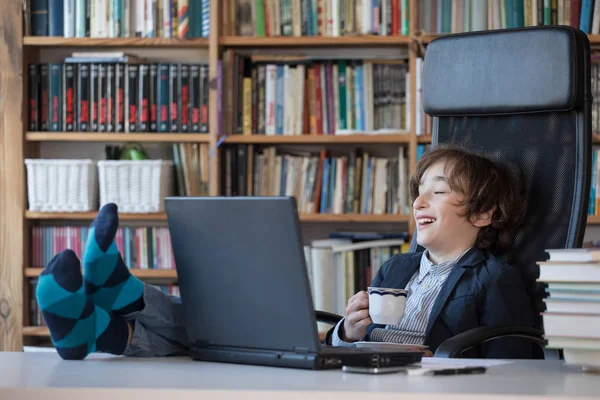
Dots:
pixel 77 326
pixel 108 282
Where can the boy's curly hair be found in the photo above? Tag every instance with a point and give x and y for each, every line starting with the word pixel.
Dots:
pixel 485 184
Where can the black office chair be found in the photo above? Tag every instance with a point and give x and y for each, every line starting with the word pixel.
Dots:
pixel 522 94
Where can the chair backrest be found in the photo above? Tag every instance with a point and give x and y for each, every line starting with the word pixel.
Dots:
pixel 523 95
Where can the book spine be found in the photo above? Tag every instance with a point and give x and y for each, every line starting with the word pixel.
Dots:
pixel 279 100
pixel 143 98
pixel 149 19
pixel 120 97
pixel 81 13
pixel 194 95
pixel 163 98
pixel 183 19
pixel 254 100
pixel 55 92
pixel 204 76
pixel 34 97
pixel 44 96
pixel 205 18
pixel 132 97
pixel 140 18
pixel 56 18
pixel 69 18
pixel 153 97
pixel 184 98
pixel 102 97
pixel 173 97
pixel 110 97
pixel 83 97
pixel 127 18
pixel 39 17
pixel 261 100
pixel 247 106
pixel 70 103
pixel 94 96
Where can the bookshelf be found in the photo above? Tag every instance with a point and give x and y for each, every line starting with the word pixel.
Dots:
pixel 17 143
pixel 115 137
pixel 57 42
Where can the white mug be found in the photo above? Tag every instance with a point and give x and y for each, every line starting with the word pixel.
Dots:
pixel 386 306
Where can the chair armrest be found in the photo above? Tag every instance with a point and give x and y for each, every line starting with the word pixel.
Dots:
pixel 456 345
pixel 327 317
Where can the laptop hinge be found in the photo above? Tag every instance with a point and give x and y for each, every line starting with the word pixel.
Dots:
pixel 301 349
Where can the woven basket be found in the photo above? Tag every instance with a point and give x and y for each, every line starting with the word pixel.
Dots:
pixel 58 185
pixel 135 186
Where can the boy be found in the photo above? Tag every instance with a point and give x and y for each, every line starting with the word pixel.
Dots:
pixel 464 205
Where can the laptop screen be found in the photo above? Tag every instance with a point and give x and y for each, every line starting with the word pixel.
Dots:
pixel 242 273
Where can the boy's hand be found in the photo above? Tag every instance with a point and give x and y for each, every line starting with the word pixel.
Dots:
pixel 357 317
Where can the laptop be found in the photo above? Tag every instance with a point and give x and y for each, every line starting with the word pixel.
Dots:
pixel 245 288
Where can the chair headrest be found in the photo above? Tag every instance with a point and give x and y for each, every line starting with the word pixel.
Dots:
pixel 533 69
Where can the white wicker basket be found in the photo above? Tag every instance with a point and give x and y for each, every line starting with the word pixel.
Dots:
pixel 58 185
pixel 135 186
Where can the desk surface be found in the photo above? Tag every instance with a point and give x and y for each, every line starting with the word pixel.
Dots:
pixel 45 375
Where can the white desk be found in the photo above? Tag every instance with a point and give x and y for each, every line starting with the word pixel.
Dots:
pixel 46 376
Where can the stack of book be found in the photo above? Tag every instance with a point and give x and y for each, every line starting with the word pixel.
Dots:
pixel 572 316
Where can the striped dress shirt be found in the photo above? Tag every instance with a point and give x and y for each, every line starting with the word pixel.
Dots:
pixel 423 288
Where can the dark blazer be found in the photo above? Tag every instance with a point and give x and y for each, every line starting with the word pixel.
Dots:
pixel 480 291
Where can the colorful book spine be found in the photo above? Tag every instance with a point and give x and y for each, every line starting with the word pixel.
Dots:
pixel 183 19
pixel 205 18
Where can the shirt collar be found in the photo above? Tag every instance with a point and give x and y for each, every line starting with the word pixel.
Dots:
pixel 439 269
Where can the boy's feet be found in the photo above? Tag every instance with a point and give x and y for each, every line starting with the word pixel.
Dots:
pixel 77 326
pixel 108 282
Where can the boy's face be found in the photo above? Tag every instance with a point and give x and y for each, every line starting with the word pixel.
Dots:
pixel 440 227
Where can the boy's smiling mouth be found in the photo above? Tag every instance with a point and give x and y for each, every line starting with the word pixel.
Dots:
pixel 422 221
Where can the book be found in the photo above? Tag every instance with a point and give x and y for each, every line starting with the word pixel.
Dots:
pixel 575 255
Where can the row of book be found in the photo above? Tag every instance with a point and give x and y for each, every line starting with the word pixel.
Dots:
pixel 337 267
pixel 35 313
pixel 191 168
pixel 572 315
pixel 356 182
pixel 118 97
pixel 453 16
pixel 341 266
pixel 316 17
pixel 302 95
pixel 119 18
pixel 142 247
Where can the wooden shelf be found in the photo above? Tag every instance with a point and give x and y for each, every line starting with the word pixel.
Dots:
pixel 91 215
pixel 115 137
pixel 593 219
pixel 319 139
pixel 52 41
pixel 312 41
pixel 140 273
pixel 425 139
pixel 163 217
pixel 40 331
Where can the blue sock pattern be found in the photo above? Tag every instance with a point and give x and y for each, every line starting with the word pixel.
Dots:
pixel 108 282
pixel 77 326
